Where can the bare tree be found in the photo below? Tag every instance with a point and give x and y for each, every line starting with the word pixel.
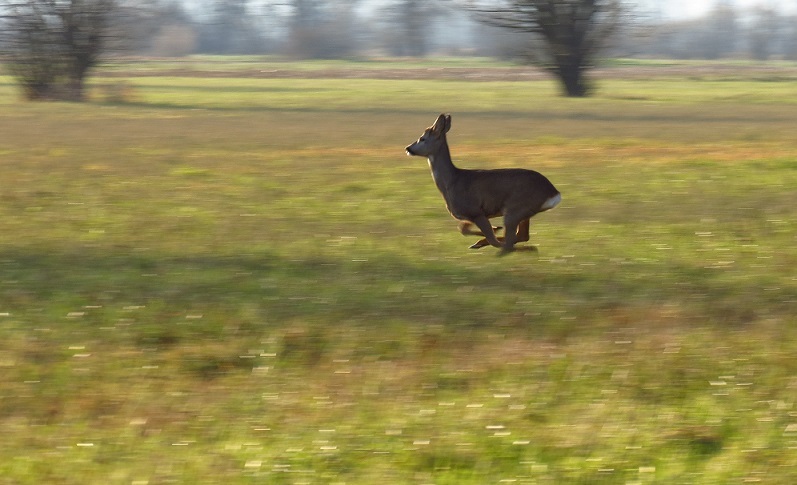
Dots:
pixel 765 32
pixel 565 35
pixel 232 29
pixel 174 33
pixel 406 29
pixel 53 44
pixel 720 32
pixel 33 52
pixel 322 29
pixel 790 38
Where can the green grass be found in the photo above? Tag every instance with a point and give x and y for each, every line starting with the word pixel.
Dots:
pixel 247 281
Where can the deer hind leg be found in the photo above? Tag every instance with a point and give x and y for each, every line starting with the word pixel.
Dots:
pixel 523 230
pixel 516 230
pixel 523 235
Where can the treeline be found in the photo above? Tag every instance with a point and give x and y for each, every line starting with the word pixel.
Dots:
pixel 323 29
pixel 51 46
pixel 348 28
pixel 762 32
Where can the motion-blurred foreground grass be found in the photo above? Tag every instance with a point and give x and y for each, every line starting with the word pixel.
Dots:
pixel 245 280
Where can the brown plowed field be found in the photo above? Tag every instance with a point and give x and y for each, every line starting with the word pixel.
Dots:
pixel 520 73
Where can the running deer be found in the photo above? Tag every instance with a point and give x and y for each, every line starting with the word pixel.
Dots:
pixel 475 196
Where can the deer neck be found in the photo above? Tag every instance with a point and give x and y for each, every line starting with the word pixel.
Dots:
pixel 443 169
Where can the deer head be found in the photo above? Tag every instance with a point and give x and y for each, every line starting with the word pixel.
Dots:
pixel 431 140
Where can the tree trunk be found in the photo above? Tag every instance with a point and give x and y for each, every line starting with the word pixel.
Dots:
pixel 75 84
pixel 573 80
pixel 75 89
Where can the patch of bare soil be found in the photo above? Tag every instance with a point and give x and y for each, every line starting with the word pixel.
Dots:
pixel 464 74
pixel 519 73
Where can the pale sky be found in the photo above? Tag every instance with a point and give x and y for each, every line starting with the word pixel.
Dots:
pixel 696 8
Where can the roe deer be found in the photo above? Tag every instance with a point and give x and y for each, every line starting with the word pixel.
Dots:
pixel 475 196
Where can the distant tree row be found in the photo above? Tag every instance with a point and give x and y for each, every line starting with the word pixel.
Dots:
pixel 50 46
pixel 320 29
pixel 761 33
pixel 344 28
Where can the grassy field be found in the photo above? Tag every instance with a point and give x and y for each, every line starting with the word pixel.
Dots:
pixel 237 280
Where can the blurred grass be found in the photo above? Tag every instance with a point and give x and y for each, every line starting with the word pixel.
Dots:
pixel 246 280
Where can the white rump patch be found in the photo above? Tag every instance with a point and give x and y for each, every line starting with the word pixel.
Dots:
pixel 551 203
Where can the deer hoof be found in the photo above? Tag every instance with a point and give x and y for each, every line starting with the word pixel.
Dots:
pixel 479 244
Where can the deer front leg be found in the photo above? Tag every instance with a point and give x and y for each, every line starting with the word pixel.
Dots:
pixel 487 231
pixel 483 242
pixel 466 228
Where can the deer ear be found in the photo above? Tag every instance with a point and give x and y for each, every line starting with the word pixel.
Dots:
pixel 448 123
pixel 439 125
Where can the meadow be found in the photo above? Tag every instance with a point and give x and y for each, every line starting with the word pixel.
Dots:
pixel 242 279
